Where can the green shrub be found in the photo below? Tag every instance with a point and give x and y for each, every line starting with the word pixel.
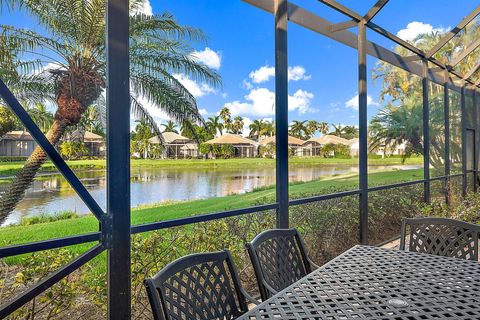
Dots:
pixel 43 218
pixel 328 227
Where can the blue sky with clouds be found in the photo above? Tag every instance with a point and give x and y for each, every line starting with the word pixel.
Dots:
pixel 323 73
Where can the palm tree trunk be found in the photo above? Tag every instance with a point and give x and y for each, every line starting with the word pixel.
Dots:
pixel 24 178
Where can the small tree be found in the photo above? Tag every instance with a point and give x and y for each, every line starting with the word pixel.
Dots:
pixel 227 151
pixel 73 149
pixel 7 121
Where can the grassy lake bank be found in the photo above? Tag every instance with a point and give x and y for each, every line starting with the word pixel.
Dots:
pixel 22 234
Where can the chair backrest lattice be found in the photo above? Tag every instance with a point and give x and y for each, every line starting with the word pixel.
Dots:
pixel 279 259
pixel 198 286
pixel 442 237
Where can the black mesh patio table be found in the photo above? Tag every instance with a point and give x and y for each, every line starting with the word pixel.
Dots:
pixel 374 283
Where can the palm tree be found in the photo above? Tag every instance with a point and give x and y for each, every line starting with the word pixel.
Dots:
pixel 269 128
pixel 73 45
pixel 257 128
pixel 170 126
pixel 401 120
pixel 337 130
pixel 312 127
pixel 349 132
pixel 214 125
pixel 299 129
pixel 94 119
pixel 41 116
pixel 237 125
pixel 323 127
pixel 226 115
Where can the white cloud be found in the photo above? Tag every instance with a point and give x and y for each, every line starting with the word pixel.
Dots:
pixel 301 101
pixel 260 102
pixel 353 103
pixel 196 89
pixel 146 9
pixel 297 73
pixel 208 57
pixel 246 124
pixel 416 28
pixel 265 73
pixel 203 112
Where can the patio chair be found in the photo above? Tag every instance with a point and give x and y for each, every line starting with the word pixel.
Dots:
pixel 279 259
pixel 442 237
pixel 198 286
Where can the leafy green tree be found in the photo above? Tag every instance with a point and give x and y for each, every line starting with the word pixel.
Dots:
pixel 227 151
pixel 401 120
pixel 73 149
pixel 7 121
pixel 74 46
pixel 141 145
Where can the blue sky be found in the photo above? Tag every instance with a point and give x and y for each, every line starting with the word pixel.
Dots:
pixel 323 73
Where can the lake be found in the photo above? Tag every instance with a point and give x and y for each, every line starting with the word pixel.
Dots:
pixel 51 193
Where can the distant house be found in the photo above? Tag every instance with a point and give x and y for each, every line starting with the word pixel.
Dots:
pixel 243 147
pixel 390 149
pixel 382 150
pixel 295 144
pixel 22 144
pixel 354 147
pixel 17 144
pixel 313 146
pixel 177 146
pixel 95 144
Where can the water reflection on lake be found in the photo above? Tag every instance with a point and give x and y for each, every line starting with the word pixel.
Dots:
pixel 51 193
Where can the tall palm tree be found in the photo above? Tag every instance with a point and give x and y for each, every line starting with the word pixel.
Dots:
pixel 337 130
pixel 323 127
pixel 269 128
pixel 349 132
pixel 73 48
pixel 237 125
pixel 226 117
pixel 214 125
pixel 170 126
pixel 298 129
pixel 312 127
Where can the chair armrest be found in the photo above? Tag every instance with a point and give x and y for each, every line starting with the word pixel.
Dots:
pixel 249 297
pixel 269 288
pixel 313 264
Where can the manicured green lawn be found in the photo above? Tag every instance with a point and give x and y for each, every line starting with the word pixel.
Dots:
pixel 42 231
pixel 10 168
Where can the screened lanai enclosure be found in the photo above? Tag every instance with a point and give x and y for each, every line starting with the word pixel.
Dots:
pixel 331 223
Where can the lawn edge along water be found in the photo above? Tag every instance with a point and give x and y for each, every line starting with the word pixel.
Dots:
pixel 42 231
pixel 8 169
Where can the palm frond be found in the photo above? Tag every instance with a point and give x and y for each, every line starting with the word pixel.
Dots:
pixel 142 114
